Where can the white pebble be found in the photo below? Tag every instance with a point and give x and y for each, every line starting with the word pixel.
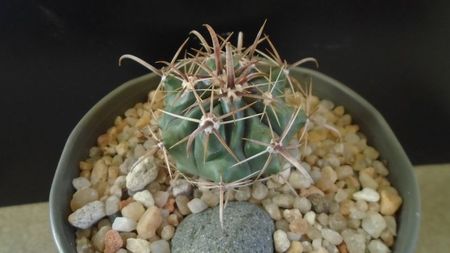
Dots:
pixel 281 241
pixel 112 205
pixel 80 183
pixel 303 204
pixel 124 224
pixel 87 215
pixel 374 224
pixel 310 217
pixel 145 198
pixel 331 236
pixel 160 246
pixel 142 174
pixel 377 246
pixel 181 187
pixel 138 245
pixel 367 194
pixel 197 205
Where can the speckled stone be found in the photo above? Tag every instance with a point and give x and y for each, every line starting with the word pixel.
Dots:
pixel 247 228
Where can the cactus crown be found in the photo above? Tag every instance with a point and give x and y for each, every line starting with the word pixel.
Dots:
pixel 225 118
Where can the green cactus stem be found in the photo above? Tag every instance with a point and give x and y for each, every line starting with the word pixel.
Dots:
pixel 225 118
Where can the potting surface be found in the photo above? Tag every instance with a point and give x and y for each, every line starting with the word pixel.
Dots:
pixel 26 228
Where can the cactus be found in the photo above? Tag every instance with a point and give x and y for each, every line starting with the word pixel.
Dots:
pixel 224 118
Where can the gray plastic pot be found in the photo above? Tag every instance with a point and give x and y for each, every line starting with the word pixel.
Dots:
pixel 102 115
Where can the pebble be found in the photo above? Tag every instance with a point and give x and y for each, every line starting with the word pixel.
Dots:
pixel 133 211
pixel 355 242
pixel 281 241
pixel 99 172
pixel 377 246
pixel 87 215
pixel 391 224
pixel 113 241
pixel 182 202
pixel 144 197
pixel 160 246
pixel 259 191
pixel 303 204
pixel 283 200
pixel 319 203
pixel 390 201
pixel 367 180
pixel 374 224
pixel 272 209
pixel 293 236
pixel 337 222
pixel 331 236
pixel 98 240
pixel 124 224
pixel 299 226
pixel 211 198
pixel 80 183
pixel 367 194
pixel 167 232
pixel 142 174
pixel 181 187
pixel 344 171
pixel 310 217
pixel 112 205
pixel 298 180
pixel 149 223
pixel 282 224
pixel 161 198
pixel 242 194
pixel 138 245
pixel 82 197
pixel 313 233
pixel 291 214
pixel 197 205
pixel 296 247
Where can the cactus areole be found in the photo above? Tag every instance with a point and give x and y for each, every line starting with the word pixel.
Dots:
pixel 225 118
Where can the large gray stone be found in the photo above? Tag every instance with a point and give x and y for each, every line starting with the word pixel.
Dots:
pixel 247 228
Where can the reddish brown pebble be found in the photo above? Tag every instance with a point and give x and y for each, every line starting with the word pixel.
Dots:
pixel 342 248
pixel 125 202
pixel 170 205
pixel 113 241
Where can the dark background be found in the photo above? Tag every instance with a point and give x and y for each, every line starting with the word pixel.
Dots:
pixel 57 58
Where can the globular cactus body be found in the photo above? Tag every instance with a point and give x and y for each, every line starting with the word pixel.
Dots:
pixel 225 118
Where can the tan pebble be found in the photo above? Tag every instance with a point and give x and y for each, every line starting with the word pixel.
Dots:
pixel 82 197
pixel 113 173
pixel 113 241
pixel 85 174
pixel 345 207
pixel 167 232
pixel 149 223
pixel 182 201
pixel 100 172
pixel 103 140
pixel 390 201
pixel 310 191
pixel 291 214
pixel 85 165
pixel 352 182
pixel 173 220
pixel 387 238
pixel 133 210
pixel 143 121
pixel 98 240
pixel 299 226
pixel 296 247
